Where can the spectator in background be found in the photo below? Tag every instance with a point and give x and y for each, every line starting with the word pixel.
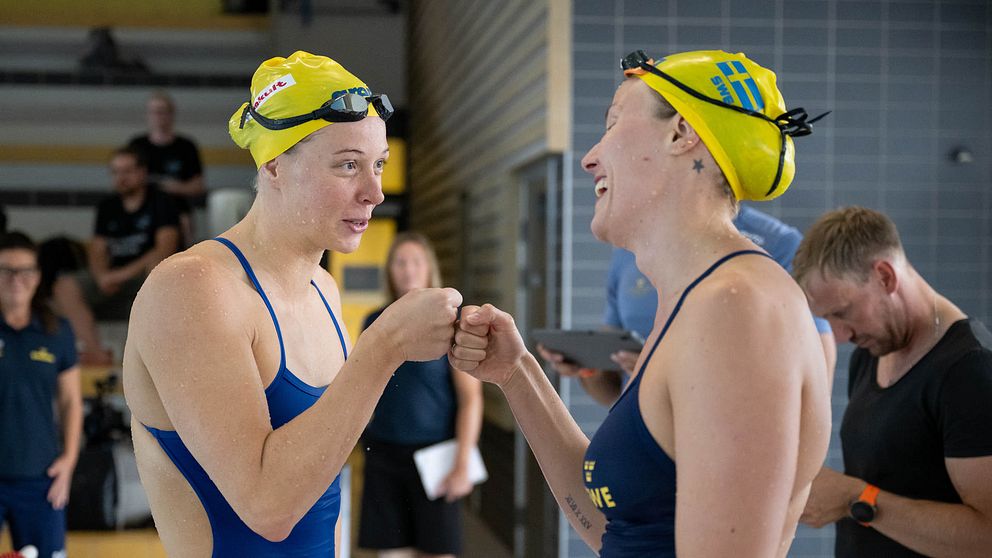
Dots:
pixel 58 256
pixel 917 432
pixel 37 368
pixel 103 54
pixel 424 403
pixel 136 228
pixel 173 161
pixel 631 304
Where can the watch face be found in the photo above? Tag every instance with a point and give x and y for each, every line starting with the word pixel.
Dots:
pixel 862 512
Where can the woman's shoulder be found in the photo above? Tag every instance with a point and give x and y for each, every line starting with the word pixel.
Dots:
pixel 193 268
pixel 751 293
pixel 192 297
pixel 198 277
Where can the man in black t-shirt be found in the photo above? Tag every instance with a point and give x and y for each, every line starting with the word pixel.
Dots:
pixel 917 432
pixel 136 228
pixel 173 161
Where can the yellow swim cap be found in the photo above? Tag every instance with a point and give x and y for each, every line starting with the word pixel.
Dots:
pixel 738 111
pixel 283 88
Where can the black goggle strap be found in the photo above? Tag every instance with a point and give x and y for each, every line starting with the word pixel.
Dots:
pixel 794 123
pixel 277 123
pixel 347 108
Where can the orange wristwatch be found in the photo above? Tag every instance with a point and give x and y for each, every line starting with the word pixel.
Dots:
pixel 863 509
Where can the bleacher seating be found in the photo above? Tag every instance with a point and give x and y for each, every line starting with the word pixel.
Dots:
pixel 61 122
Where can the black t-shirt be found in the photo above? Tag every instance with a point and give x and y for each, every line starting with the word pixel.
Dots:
pixel 418 405
pixel 897 437
pixel 131 235
pixel 179 159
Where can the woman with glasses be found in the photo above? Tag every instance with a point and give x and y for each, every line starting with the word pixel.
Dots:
pixel 712 448
pixel 244 406
pixel 38 367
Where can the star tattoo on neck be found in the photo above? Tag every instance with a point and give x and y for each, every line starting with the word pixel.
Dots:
pixel 697 165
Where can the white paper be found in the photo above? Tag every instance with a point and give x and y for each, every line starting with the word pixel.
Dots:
pixel 435 462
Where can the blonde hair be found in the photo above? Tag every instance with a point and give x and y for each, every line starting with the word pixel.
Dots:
pixel 421 240
pixel 845 243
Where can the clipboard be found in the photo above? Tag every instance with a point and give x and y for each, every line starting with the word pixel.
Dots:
pixel 589 348
pixel 436 461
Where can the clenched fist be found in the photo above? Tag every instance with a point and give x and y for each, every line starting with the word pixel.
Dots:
pixel 487 344
pixel 420 325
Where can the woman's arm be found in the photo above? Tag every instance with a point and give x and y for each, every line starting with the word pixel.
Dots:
pixel 468 424
pixel 489 347
pixel 733 367
pixel 70 406
pixel 191 329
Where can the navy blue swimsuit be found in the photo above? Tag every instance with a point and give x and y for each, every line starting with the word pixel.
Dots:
pixel 287 396
pixel 629 476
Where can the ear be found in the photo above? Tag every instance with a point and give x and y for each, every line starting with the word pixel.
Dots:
pixel 886 274
pixel 684 136
pixel 271 171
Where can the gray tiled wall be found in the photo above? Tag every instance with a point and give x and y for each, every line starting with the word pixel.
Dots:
pixel 908 81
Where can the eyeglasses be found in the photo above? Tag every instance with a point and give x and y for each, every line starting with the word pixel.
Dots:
pixel 10 273
pixel 793 123
pixel 349 107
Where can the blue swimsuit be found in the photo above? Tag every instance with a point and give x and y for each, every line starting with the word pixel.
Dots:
pixel 629 476
pixel 287 397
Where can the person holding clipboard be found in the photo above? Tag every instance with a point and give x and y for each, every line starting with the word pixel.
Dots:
pixel 423 404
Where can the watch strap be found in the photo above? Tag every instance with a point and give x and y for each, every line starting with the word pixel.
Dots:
pixel 869 495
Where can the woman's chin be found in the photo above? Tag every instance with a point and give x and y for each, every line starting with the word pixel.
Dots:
pixel 599 229
pixel 346 245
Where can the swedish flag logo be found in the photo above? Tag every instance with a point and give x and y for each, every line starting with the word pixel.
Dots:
pixel 589 467
pixel 42 354
pixel 744 86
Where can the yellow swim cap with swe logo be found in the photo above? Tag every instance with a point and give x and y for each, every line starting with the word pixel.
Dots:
pixel 286 88
pixel 751 139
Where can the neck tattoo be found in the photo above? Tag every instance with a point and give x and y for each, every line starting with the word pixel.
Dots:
pixel 697 165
